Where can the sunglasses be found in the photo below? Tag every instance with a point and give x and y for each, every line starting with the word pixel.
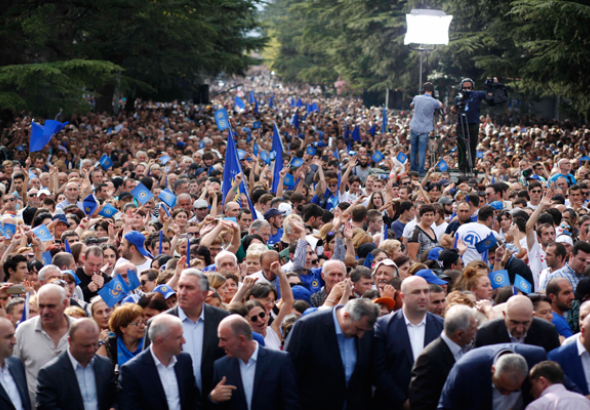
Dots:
pixel 261 315
pixel 315 262
pixel 535 191
pixel 143 282
pixel 10 199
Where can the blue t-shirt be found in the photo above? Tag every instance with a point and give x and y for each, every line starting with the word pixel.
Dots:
pixel 328 202
pixel 313 280
pixel 276 237
pixel 562 326
pixel 472 106
pixel 398 228
pixel 571 180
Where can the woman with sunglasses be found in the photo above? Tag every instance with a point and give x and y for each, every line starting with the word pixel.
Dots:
pixel 128 325
pixel 259 313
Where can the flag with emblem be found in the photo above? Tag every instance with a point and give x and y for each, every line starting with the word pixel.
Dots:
pixel 42 232
pixel 105 162
pixel 296 162
pixel 9 230
pixel 222 119
pixel 108 211
pixel 499 279
pixel 114 291
pixel 442 165
pixel 377 157
pixel 401 157
pixel 522 284
pixel 486 243
pixel 311 151
pixel 89 204
pixel 167 197
pixel 277 150
pixel 142 194
pixel 239 105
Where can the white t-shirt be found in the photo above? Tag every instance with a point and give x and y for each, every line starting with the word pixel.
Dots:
pixel 537 261
pixel 348 197
pixel 440 229
pixel 409 228
pixel 143 267
pixel 471 234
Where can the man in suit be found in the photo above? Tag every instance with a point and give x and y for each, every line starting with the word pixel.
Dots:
pixel 251 376
pixel 436 360
pixel 14 394
pixel 200 322
pixel 78 379
pixel 490 378
pixel 518 326
pixel 575 359
pixel 160 377
pixel 331 351
pixel 400 337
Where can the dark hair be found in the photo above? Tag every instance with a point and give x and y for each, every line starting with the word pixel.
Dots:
pixel 12 262
pixel 428 208
pixel 312 210
pixel 34 263
pixel 551 371
pixel 537 298
pixel 154 301
pixel 162 259
pixel 248 240
pixel 559 250
pixel 580 246
pixel 205 253
pixel 105 246
pixel 360 272
pixel 39 218
pixel 261 290
pixel 301 306
pixel 485 212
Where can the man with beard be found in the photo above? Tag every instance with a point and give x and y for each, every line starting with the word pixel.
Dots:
pixel 561 293
pixel 362 169
pixel 463 217
pixel 133 250
pixel 275 219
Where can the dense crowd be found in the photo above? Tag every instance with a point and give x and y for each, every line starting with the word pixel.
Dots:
pixel 152 260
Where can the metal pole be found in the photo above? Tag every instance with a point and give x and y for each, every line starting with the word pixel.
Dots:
pixel 420 82
pixel 387 98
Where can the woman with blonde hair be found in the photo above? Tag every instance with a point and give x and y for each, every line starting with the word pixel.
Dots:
pixel 475 279
pixel 288 235
pixel 393 247
pixel 361 239
pixel 328 237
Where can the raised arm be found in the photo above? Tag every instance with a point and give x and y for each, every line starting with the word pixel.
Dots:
pixel 530 225
pixel 344 180
pixel 286 296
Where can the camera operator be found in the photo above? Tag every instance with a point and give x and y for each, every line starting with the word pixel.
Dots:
pixel 467 105
pixel 422 123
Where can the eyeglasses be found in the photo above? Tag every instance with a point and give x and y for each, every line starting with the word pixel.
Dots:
pixel 10 199
pixel 261 315
pixel 143 282
pixel 139 323
pixel 536 191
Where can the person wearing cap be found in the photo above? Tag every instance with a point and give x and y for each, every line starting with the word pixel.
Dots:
pixel 451 259
pixel 386 305
pixel 564 172
pixel 399 340
pixel 336 371
pixel 60 225
pixel 201 208
pixel 168 293
pixel 566 241
pixel 383 273
pixel 275 219
pixel 133 250
pixel 435 362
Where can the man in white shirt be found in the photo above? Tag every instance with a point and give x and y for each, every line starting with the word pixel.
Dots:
pixel 13 383
pixel 547 388
pixel 472 233
pixel 538 238
pixel 133 250
pixel 273 370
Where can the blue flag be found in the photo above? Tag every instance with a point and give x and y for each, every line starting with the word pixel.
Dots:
pixel 47 258
pixel 25 316
pixel 9 230
pixel 584 158
pixel 522 284
pixel 373 130
pixel 296 162
pixel 295 122
pixel 401 157
pixel 142 194
pixel 369 261
pixel 442 165
pixel 289 180
pixel 346 133
pixel 42 233
pixel 241 154
pixel 165 208
pixel 251 98
pixel 256 107
pixel 265 157
pixel 201 144
pixel 188 253
pixel 256 125
pixel 384 123
pixel 222 119
pixel 42 134
pixel 133 280
pixel 486 243
pixel 479 154
pixel 108 211
pixel 114 291
pixel 299 103
pixel 277 149
pixel 165 159
pixel 271 102
pixel 356 134
pixel 499 279
pixel 67 247
pixel 160 243
pixel 105 162
pixel 71 272
pixel 377 157
pixel 89 204
pixel 311 151
pixel 292 103
pixel 239 104
pixel 256 149
pixel 233 168
pixel 167 197
pixel 314 107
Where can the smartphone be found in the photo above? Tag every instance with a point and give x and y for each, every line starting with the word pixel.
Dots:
pixel 16 290
pixel 324 158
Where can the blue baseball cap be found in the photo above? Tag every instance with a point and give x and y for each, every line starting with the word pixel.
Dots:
pixel 165 291
pixel 497 205
pixel 430 277
pixel 301 293
pixel 138 240
pixel 434 253
pixel 61 218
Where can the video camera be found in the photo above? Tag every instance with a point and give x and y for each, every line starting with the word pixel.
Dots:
pixel 496 93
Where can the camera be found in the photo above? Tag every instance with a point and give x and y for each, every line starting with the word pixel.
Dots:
pixel 496 93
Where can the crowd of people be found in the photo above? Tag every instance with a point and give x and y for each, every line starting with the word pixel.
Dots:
pixel 140 272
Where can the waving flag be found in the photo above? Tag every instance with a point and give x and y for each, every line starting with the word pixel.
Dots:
pixel 277 149
pixel 314 107
pixel 114 291
pixel 295 122
pixel 356 134
pixel 89 204
pixel 42 134
pixel 167 197
pixel 522 284
pixel 221 119
pixel 42 233
pixel 108 211
pixel 499 279
pixel 373 130
pixel 105 162
pixel 251 98
pixel 142 194
pixel 239 105
pixel 486 243
pixel 299 103
pixel 442 165
pixel 384 122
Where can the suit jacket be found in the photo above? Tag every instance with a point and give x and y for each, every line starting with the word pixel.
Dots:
pixel 275 382
pixel 211 349
pixel 429 375
pixel 17 371
pixel 313 346
pixel 541 333
pixel 393 358
pixel 57 385
pixel 140 386
pixel 469 384
pixel 568 358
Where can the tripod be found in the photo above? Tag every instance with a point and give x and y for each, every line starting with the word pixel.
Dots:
pixel 435 142
pixel 467 140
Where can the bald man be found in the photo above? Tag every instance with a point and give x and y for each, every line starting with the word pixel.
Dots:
pixel 72 192
pixel 518 326
pixel 400 337
pixel 78 378
pixel 246 361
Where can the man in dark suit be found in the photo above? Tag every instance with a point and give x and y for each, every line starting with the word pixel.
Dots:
pixel 571 361
pixel 518 326
pixel 400 337
pixel 491 375
pixel 12 372
pixel 331 351
pixel 160 377
pixel 60 384
pixel 251 376
pixel 200 322
pixel 436 360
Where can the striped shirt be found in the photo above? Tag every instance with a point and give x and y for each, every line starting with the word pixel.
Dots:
pixel 424 106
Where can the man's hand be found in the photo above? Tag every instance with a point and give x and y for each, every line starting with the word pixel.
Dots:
pixel 98 280
pixel 222 392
